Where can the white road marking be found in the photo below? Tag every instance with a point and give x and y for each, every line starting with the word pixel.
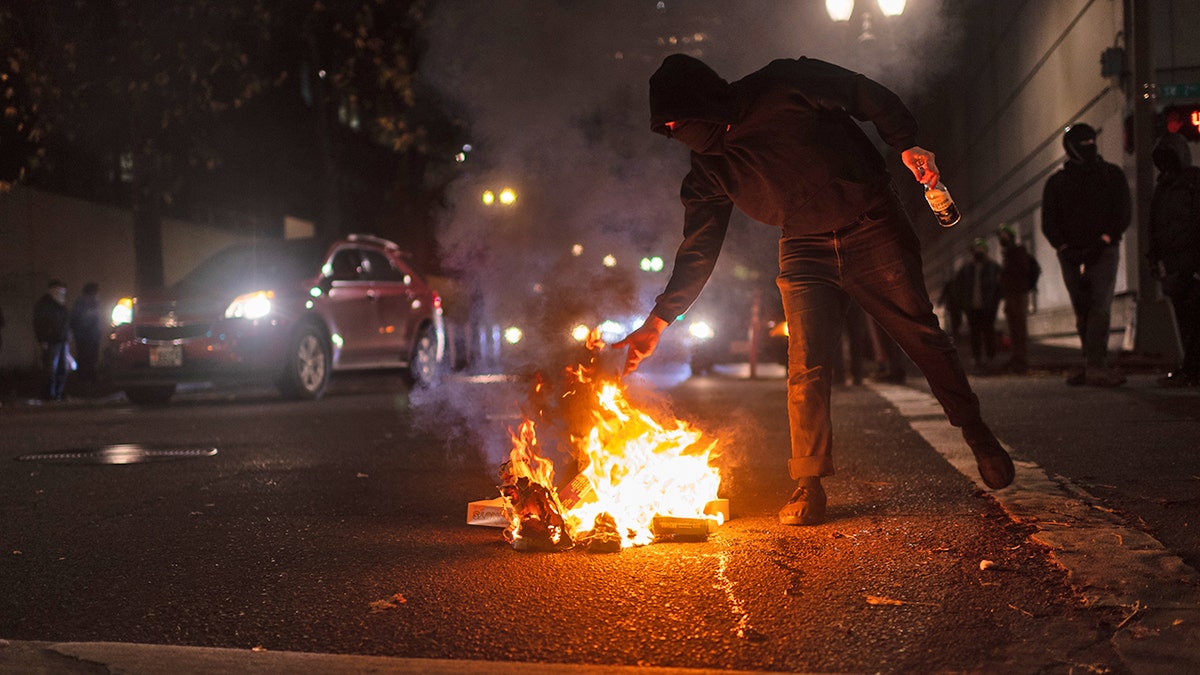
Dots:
pixel 1087 539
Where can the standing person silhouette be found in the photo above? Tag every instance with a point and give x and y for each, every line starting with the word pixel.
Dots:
pixel 1086 208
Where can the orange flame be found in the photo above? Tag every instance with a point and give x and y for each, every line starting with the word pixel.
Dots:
pixel 635 466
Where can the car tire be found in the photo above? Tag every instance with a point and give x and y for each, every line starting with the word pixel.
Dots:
pixel 424 367
pixel 152 395
pixel 309 362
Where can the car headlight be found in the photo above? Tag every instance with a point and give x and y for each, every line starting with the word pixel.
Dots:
pixel 580 332
pixel 122 312
pixel 513 335
pixel 701 330
pixel 251 306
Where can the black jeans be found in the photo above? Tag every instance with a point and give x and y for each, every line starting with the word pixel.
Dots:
pixel 876 261
pixel 55 366
pixel 1090 276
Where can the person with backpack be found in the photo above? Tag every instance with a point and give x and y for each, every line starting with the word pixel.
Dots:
pixel 1175 248
pixel 1019 274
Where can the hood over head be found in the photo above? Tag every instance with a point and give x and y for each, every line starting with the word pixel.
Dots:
pixel 685 88
pixel 1080 143
pixel 1171 153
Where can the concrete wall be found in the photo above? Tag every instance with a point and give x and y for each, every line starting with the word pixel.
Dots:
pixel 1030 69
pixel 44 237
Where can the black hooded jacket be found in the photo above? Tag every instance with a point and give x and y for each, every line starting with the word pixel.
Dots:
pixel 791 154
pixel 1083 201
pixel 1175 208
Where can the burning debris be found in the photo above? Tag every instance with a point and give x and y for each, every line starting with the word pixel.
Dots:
pixel 638 478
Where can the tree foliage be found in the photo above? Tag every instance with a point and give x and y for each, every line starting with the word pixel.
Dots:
pixel 153 103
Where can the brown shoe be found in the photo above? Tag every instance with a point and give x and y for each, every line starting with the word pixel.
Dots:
pixel 806 505
pixel 995 466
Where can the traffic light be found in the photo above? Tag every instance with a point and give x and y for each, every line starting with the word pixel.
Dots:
pixel 1183 119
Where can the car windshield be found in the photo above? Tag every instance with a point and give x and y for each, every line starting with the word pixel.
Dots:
pixel 254 265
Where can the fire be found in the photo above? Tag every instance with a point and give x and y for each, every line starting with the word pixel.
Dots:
pixel 634 468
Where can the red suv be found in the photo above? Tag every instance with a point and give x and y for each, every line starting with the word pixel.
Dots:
pixel 289 312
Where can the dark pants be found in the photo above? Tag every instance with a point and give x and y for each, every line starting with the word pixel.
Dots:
pixel 875 261
pixel 55 367
pixel 1185 298
pixel 1090 277
pixel 87 354
pixel 982 325
pixel 1016 309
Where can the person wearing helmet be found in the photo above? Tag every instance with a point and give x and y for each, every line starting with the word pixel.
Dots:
pixel 1086 208
pixel 783 146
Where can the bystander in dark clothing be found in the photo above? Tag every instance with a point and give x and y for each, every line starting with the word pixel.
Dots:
pixel 52 327
pixel 783 146
pixel 1019 272
pixel 954 308
pixel 1175 248
pixel 1086 208
pixel 86 328
pixel 978 285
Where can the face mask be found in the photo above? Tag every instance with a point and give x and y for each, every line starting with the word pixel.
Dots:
pixel 1082 151
pixel 699 135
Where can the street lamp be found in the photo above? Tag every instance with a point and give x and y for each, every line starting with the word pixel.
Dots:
pixel 507 197
pixel 843 10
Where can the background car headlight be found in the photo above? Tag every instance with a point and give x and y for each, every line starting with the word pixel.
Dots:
pixel 122 312
pixel 251 306
pixel 701 330
pixel 580 332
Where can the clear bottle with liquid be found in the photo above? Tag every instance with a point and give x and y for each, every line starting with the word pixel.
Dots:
pixel 942 204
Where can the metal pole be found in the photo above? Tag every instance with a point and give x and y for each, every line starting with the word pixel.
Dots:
pixel 1155 328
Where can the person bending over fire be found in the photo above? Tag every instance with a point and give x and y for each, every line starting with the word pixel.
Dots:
pixel 781 144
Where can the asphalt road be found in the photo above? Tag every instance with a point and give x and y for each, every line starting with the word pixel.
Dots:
pixel 338 527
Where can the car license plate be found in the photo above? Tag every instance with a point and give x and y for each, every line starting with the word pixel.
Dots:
pixel 166 356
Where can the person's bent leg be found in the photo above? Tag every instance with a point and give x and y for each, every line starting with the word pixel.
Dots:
pixel 883 272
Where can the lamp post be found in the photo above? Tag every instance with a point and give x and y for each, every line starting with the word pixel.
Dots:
pixel 864 35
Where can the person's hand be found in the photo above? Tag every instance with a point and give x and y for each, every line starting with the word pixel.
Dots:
pixel 920 162
pixel 641 342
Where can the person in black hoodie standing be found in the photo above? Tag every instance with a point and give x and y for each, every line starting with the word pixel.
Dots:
pixel 1086 208
pixel 782 145
pixel 1175 248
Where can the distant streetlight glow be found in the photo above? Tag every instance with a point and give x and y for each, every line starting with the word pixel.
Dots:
pixel 610 260
pixel 652 264
pixel 577 250
pixel 507 197
pixel 843 10
pixel 839 10
pixel 891 7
